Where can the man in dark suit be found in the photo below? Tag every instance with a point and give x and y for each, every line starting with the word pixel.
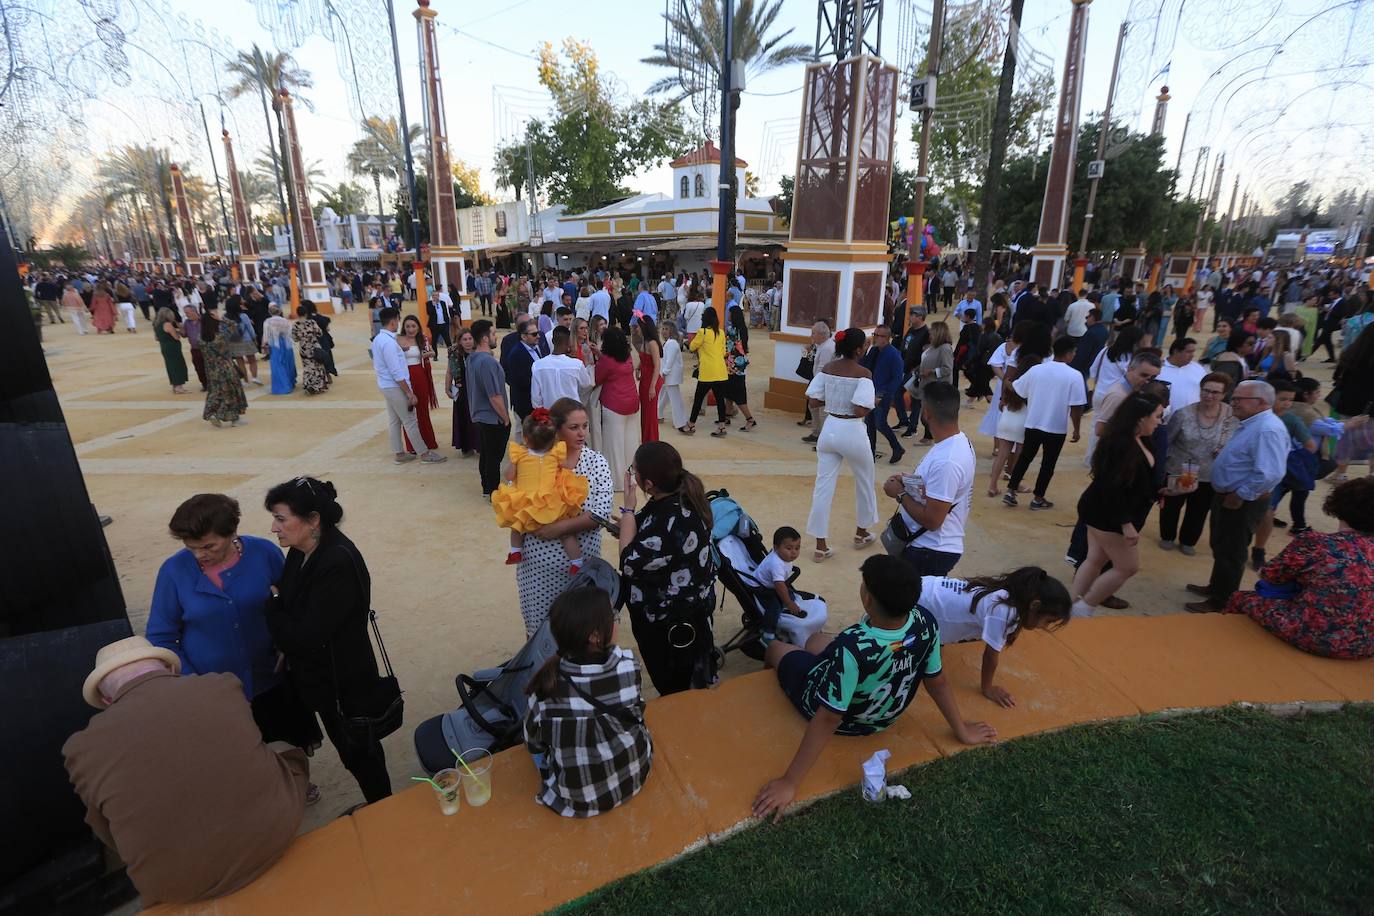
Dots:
pixel 437 311
pixel 518 363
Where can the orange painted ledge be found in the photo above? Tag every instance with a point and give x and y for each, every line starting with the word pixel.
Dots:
pixel 714 749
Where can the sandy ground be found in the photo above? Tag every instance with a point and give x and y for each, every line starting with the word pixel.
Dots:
pixel 446 602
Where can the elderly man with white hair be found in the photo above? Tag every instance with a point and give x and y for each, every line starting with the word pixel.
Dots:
pixel 1251 463
pixel 823 349
pixel 176 778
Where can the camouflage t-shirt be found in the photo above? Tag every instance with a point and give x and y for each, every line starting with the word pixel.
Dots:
pixel 870 676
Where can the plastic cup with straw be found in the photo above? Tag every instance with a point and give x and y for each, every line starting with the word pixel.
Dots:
pixel 477 785
pixel 446 785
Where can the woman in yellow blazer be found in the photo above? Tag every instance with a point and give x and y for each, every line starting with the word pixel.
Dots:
pixel 709 345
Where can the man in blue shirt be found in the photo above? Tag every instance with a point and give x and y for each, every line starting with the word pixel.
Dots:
pixel 601 304
pixel 885 362
pixel 1250 465
pixel 646 304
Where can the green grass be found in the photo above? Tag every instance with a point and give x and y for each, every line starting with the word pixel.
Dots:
pixel 1233 811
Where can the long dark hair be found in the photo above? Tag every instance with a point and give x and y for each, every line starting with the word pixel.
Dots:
pixel 421 341
pixel 1127 339
pixel 615 344
pixel 1035 349
pixel 1023 586
pixel 736 319
pixel 660 464
pixel 1116 455
pixel 574 618
pixel 710 321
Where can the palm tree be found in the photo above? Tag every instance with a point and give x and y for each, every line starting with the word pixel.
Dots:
pixel 143 175
pixel 314 171
pixel 264 73
pixel 261 193
pixel 699 44
pixel 380 153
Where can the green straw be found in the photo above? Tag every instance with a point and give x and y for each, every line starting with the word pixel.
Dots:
pixel 459 757
pixel 430 781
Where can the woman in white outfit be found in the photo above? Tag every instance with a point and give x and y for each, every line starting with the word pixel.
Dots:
pixel 844 390
pixel 671 370
pixel 1108 371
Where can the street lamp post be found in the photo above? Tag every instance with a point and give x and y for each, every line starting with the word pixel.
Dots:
pixel 405 140
pixel 1081 262
pixel 916 265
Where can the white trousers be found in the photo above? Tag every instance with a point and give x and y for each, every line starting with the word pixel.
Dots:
pixel 619 439
pixel 399 415
pixel 78 319
pixel 842 440
pixel 127 310
pixel 591 399
pixel 672 395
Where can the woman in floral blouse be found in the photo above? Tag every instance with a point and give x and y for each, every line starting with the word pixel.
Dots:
pixel 1318 594
pixel 669 572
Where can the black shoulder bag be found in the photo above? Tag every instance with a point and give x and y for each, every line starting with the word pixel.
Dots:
pixel 382 709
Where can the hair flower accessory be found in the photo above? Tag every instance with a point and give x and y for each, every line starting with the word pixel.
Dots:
pixel 540 414
pixel 839 336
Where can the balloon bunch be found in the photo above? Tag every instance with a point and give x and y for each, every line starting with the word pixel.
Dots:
pixel 906 232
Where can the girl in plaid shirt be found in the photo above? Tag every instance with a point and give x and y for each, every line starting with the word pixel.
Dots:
pixel 585 724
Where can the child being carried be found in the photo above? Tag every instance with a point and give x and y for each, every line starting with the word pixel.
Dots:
pixel 539 490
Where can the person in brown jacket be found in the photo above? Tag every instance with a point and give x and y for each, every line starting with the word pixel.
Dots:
pixel 176 778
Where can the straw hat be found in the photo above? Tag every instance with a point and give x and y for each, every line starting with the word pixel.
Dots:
pixel 124 652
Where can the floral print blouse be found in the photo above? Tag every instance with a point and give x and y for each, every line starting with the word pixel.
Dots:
pixel 669 569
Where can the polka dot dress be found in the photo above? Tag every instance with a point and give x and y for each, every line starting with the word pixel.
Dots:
pixel 543 574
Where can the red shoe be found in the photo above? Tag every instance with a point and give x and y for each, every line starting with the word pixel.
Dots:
pixel 513 558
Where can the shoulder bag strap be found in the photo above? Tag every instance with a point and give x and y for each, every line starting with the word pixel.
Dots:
pixel 619 712
pixel 376 631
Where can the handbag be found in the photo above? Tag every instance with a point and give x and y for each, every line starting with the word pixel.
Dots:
pixel 1303 469
pixel 383 708
pixel 806 367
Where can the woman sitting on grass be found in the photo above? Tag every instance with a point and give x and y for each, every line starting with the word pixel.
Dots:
pixel 1318 594
pixel 996 609
pixel 860 681
pixel 585 724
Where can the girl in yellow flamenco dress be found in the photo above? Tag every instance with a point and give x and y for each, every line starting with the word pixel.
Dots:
pixel 539 490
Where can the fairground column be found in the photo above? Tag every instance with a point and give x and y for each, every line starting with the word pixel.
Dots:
pixel 1051 247
pixel 445 247
pixel 248 241
pixel 835 266
pixel 308 254
pixel 195 264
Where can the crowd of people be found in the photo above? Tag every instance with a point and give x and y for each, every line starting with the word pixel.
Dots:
pixel 272 642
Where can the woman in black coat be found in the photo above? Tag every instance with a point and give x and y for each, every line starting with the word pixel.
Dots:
pixel 319 621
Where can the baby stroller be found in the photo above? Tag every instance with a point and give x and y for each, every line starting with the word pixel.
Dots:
pixel 493 700
pixel 739 548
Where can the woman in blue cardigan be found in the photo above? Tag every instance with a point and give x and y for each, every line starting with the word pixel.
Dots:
pixel 208 609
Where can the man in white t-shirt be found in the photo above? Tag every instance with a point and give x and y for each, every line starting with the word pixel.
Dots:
pixel 934 518
pixel 557 375
pixel 1054 394
pixel 1076 316
pixel 1183 374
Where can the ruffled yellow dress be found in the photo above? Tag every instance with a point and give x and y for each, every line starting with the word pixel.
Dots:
pixel 543 492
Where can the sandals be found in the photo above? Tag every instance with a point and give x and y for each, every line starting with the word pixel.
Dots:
pixel 720 432
pixel 861 542
pixel 750 426
pixel 688 430
pixel 820 556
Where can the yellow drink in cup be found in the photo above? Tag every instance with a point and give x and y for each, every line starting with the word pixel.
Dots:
pixel 476 767
pixel 447 783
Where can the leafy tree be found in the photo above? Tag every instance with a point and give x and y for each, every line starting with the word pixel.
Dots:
pixel 467 186
pixel 751 184
pixel 970 66
pixel 1132 198
pixel 381 153
pixel 343 198
pixel 590 142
